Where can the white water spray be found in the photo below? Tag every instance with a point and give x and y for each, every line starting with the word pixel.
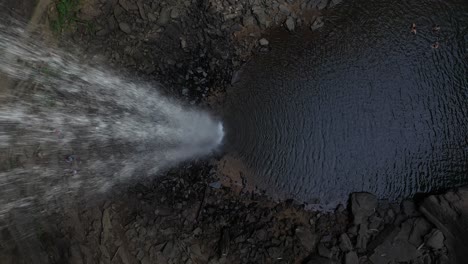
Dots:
pixel 77 129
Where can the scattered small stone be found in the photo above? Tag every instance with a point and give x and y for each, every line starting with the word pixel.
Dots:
pixel 215 185
pixel 318 23
pixel 290 24
pixel 183 43
pixel 307 237
pixel 321 4
pixel 324 251
pixel 125 27
pixel 284 10
pixel 152 17
pixel 264 42
pixel 420 228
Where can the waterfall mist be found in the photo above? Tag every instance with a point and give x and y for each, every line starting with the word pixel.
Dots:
pixel 68 129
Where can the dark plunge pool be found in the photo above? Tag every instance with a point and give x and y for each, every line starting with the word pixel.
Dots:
pixel 360 105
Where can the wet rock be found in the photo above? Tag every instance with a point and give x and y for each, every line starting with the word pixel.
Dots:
pixel 263 42
pixel 125 27
pixel 435 239
pixel 290 24
pixel 307 237
pixel 362 206
pixel 351 258
pixel 345 243
pixel 318 23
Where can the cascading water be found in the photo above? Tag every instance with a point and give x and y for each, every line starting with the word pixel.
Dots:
pixel 79 129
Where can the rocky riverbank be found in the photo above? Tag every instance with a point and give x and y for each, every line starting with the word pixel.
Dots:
pixel 187 216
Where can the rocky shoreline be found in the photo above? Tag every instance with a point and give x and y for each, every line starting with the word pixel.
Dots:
pixel 194 49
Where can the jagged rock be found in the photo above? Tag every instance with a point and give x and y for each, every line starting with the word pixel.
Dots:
pixel 362 238
pixel 345 243
pixel 290 24
pixel 375 222
pixel 334 3
pixel 396 247
pixel 449 213
pixel 275 252
pixel 435 239
pixel 408 207
pixel 362 206
pixel 307 237
pixel 321 4
pixel 318 23
pixel 324 251
pixel 248 21
pixel 175 13
pixel 284 10
pixel 351 258
pixel 125 27
pixel 420 228
pixel 320 260
pixel 164 16
pixel 263 42
pixel 261 16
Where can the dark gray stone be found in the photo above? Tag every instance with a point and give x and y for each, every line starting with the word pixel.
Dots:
pixel 362 206
pixel 351 258
pixel 421 227
pixel 263 42
pixel 435 239
pixel 345 243
pixel 290 24
pixel 408 207
pixel 324 251
pixel 307 237
pixel 318 23
pixel 125 27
